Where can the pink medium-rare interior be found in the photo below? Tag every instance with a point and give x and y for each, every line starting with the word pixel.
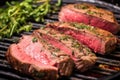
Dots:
pixel 65 16
pixel 91 41
pixel 32 53
pixel 58 44
pixel 68 15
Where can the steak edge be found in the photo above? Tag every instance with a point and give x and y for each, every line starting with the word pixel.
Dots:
pixel 91 15
pixel 32 57
pixel 100 41
pixel 83 57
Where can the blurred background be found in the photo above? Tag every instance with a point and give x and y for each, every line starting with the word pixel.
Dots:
pixel 115 2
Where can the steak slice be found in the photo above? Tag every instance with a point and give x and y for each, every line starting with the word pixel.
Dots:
pixel 100 41
pixel 39 59
pixel 91 15
pixel 83 57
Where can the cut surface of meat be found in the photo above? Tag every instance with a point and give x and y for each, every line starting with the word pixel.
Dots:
pixel 39 59
pixel 91 15
pixel 100 41
pixel 83 57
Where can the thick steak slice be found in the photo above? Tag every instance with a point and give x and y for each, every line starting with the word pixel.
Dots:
pixel 83 57
pixel 39 59
pixel 91 15
pixel 99 40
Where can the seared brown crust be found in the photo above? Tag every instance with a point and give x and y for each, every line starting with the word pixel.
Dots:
pixel 108 40
pixel 63 66
pixel 31 69
pixel 85 62
pixel 94 11
pixel 84 57
pixel 64 63
pixel 89 14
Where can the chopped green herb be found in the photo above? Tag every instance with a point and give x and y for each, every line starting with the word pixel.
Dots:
pixel 48 31
pixel 91 12
pixel 64 38
pixel 34 40
pixel 57 50
pixel 80 6
pixel 16 40
pixel 84 26
pixel 81 26
pixel 42 27
pixel 88 51
pixel 50 48
pixel 75 44
pixel 53 54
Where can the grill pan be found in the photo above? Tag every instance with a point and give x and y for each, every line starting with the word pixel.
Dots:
pixel 111 61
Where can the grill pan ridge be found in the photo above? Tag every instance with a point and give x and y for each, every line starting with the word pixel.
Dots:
pixel 96 73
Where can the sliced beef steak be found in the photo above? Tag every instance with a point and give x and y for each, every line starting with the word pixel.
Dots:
pixel 39 59
pixel 99 40
pixel 83 57
pixel 89 14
